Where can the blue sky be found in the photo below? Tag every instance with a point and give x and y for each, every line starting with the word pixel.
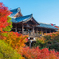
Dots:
pixel 46 11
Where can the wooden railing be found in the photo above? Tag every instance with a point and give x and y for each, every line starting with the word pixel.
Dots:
pixel 32 34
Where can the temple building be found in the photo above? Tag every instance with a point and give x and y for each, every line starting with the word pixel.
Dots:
pixel 28 25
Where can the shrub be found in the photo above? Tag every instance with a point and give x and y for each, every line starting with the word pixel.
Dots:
pixel 50 40
pixel 14 39
pixel 40 42
pixel 52 36
pixel 36 53
pixel 6 52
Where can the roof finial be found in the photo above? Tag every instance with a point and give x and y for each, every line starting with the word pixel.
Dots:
pixel 32 15
pixel 18 9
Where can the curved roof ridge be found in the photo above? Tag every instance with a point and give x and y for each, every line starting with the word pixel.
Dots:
pixel 45 23
pixel 25 16
pixel 14 12
pixel 22 18
pixel 15 9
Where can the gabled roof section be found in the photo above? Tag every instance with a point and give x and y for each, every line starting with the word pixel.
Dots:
pixel 21 19
pixel 14 12
pixel 45 25
pixel 35 21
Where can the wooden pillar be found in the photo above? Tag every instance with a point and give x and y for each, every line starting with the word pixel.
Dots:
pixel 27 30
pixel 22 29
pixel 16 28
pixel 41 31
pixel 50 31
pixel 30 43
pixel 37 30
pixel 33 31
pixel 46 31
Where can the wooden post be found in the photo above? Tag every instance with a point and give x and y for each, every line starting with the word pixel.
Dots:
pixel 50 31
pixel 33 31
pixel 16 28
pixel 22 28
pixel 26 29
pixel 30 43
pixel 46 31
pixel 41 31
pixel 37 30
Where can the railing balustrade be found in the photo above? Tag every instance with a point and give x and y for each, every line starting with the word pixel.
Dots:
pixel 31 34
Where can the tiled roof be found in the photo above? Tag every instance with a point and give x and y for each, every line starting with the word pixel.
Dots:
pixel 44 25
pixel 25 18
pixel 22 18
pixel 14 11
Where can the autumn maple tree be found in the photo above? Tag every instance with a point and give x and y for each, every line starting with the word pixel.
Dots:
pixel 4 19
pixel 14 39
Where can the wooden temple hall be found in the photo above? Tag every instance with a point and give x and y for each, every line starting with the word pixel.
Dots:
pixel 28 25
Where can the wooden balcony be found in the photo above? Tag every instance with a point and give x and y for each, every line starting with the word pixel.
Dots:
pixel 31 34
